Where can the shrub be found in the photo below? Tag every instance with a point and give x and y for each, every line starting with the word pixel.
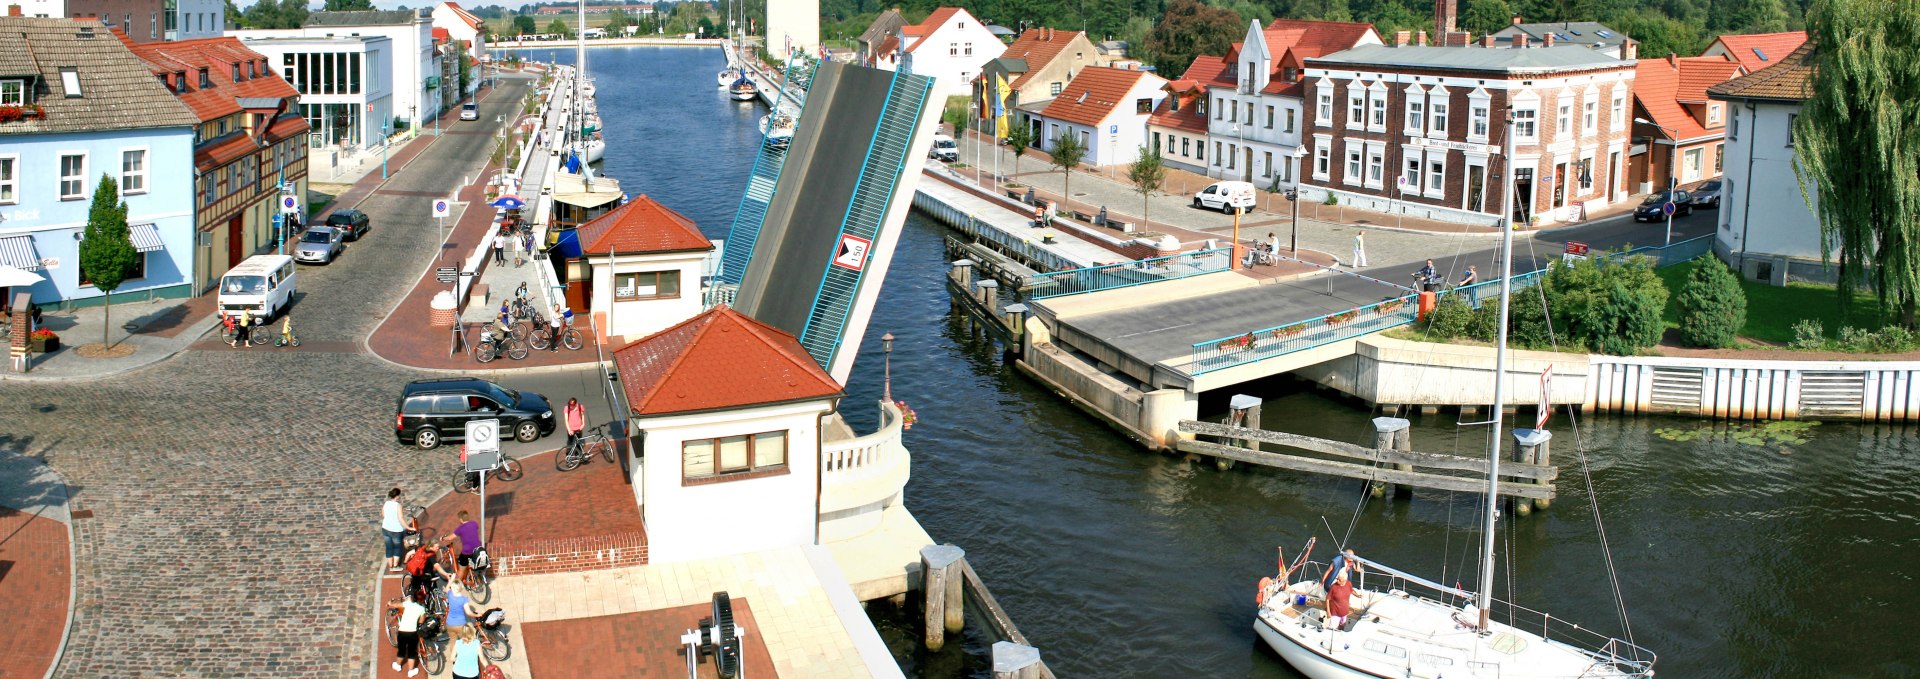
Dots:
pixel 1625 320
pixel 1485 324
pixel 1854 340
pixel 1449 318
pixel 1808 335
pixel 1713 308
pixel 1612 307
pixel 1892 339
pixel 1332 199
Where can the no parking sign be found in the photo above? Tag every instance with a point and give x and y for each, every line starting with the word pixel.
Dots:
pixel 441 207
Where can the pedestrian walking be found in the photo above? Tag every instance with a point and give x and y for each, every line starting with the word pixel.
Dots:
pixel 1359 250
pixel 242 330
pixel 576 421
pixel 467 659
pixel 393 527
pixel 408 639
pixel 526 241
pixel 457 605
pixel 499 249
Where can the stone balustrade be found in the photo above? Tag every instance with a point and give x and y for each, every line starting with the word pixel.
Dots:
pixel 862 476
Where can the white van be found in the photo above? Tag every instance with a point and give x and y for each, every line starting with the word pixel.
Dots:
pixel 944 148
pixel 1225 196
pixel 263 284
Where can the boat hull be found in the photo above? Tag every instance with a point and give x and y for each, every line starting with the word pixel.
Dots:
pixel 596 150
pixel 744 95
pixel 1306 660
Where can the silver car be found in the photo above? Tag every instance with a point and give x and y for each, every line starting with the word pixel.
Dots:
pixel 319 245
pixel 1707 194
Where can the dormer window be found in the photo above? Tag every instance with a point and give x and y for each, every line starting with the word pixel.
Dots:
pixel 205 81
pixel 1713 115
pixel 13 93
pixel 236 72
pixel 1289 74
pixel 179 81
pixel 70 82
pixel 253 70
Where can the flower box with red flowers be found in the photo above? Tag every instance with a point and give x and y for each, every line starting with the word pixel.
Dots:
pixel 43 341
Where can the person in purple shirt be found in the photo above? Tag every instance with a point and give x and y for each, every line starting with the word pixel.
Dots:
pixel 469 534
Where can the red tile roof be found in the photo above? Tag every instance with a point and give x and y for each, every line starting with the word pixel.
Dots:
pixel 1210 71
pixel 1662 86
pixel 926 28
pixel 642 225
pixel 1188 117
pixel 1785 80
pixel 210 156
pixel 1291 42
pixel 887 47
pixel 464 15
pixel 1776 46
pixel 1093 95
pixel 287 127
pixel 1034 48
pixel 217 55
pixel 717 360
pixel 442 35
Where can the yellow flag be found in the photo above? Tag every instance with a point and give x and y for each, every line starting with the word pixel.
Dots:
pixel 1000 106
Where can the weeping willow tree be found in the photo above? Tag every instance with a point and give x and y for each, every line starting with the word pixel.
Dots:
pixel 1857 143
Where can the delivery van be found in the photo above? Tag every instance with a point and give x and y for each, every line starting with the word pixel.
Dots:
pixel 1225 196
pixel 263 284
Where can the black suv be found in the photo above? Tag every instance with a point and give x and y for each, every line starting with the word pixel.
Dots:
pixel 430 411
pixel 352 223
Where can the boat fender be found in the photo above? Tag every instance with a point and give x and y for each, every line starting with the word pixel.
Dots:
pixel 1260 597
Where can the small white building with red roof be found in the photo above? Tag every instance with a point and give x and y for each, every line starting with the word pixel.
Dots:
pixel 644 263
pixel 1256 93
pixel 463 26
pixel 1106 110
pixel 950 46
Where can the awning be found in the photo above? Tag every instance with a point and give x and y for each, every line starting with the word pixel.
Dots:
pixel 587 200
pixel 18 252
pixel 146 237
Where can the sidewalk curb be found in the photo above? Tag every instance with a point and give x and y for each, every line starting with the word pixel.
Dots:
pixel 210 322
pixel 73 563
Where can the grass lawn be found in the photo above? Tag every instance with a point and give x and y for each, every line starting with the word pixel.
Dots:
pixel 1772 311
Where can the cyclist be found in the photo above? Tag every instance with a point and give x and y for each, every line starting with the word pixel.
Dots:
pixel 424 570
pixel 576 418
pixel 286 331
pixel 562 317
pixel 411 612
pixel 468 532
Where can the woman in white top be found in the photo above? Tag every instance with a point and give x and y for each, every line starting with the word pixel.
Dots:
pixel 408 640
pixel 394 524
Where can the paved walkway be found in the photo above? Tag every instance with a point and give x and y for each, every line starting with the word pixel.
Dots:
pixel 148 331
pixel 36 566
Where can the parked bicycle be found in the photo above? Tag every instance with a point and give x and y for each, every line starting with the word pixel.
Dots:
pixel 593 440
pixel 493 639
pixel 469 482
pixel 542 337
pixel 492 346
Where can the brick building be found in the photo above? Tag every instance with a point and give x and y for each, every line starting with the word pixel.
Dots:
pixel 1421 130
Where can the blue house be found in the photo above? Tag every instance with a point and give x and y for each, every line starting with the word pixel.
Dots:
pixel 76 105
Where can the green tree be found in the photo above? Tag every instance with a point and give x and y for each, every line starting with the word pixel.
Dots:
pixel 234 17
pixel 561 28
pixel 1713 308
pixel 349 5
pixel 1147 174
pixel 1066 153
pixel 1135 33
pixel 1857 145
pixel 106 249
pixel 1019 139
pixel 522 24
pixel 1191 28
pixel 958 115
pixel 1484 16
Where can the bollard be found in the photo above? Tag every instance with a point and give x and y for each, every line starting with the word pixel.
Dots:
pixel 989 293
pixel 1246 410
pixel 1531 446
pixel 1392 433
pixel 939 591
pixel 963 273
pixel 1015 661
pixel 1016 315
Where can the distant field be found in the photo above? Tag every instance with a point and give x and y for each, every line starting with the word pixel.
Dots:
pixel 503 25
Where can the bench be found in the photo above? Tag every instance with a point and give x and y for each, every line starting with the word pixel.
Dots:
pixel 1017 194
pixel 1082 216
pixel 1122 226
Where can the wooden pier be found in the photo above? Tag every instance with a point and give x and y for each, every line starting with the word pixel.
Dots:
pixel 1390 461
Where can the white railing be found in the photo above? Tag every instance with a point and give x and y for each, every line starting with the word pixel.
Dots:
pixel 866 471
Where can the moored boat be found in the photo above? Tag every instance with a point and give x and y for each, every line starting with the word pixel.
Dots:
pixel 743 89
pixel 728 76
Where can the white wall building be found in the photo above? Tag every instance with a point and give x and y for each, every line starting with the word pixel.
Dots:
pixel 793 24
pixel 415 74
pixel 950 46
pixel 462 25
pixel 345 86
pixel 1106 109
pixel 1767 229
pixel 191 19
pixel 646 262
pixel 1255 120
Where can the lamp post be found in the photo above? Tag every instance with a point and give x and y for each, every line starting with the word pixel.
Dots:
pixel 1234 249
pixel 1673 155
pixel 386 132
pixel 1293 244
pixel 886 349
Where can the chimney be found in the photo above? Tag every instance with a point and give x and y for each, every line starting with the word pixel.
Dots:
pixel 1487 41
pixel 1630 50
pixel 1445 16
pixel 13 10
pixel 1547 41
pixel 1673 61
pixel 1400 38
pixel 1516 19
pixel 1520 40
pixel 1421 40
pixel 1459 39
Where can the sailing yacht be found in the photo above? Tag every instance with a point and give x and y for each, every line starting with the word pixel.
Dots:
pixel 1419 628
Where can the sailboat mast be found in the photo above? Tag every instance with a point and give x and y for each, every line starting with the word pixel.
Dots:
pixel 579 76
pixel 1485 602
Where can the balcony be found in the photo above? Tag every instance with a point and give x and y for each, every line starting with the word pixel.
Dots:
pixel 861 476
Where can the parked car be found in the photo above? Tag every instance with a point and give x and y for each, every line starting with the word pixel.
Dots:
pixel 944 148
pixel 431 411
pixel 353 222
pixel 319 245
pixel 1225 196
pixel 1650 209
pixel 470 111
pixel 1707 194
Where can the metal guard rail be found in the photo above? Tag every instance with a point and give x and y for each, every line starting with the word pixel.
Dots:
pixel 1127 274
pixel 1279 340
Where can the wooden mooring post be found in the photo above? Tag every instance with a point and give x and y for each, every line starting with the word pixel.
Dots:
pixel 1244 412
pixel 1016 661
pixel 1393 434
pixel 962 275
pixel 1532 446
pixel 941 591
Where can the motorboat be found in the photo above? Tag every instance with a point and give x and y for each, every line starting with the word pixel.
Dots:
pixel 594 150
pixel 743 89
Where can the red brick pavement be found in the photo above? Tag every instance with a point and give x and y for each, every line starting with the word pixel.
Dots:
pixel 634 645
pixel 549 520
pixel 35 573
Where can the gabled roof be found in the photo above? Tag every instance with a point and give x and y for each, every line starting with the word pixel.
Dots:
pixel 883 27
pixel 1760 50
pixel 117 92
pixel 1662 86
pixel 933 23
pixel 377 17
pixel 1037 49
pixel 1785 80
pixel 218 55
pixel 1291 42
pixel 718 360
pixel 642 225
pixel 1093 95
pixel 1188 118
pixel 466 16
pixel 442 35
pixel 1210 71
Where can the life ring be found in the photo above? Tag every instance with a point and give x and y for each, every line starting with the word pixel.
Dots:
pixel 1260 597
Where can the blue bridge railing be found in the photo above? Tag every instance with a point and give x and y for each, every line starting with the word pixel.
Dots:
pixel 1126 274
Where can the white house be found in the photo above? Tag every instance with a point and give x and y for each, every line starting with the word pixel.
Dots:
pixel 415 75
pixel 729 413
pixel 950 46
pixel 1767 229
pixel 345 83
pixel 1106 109
pixel 463 26
pixel 646 261
pixel 1256 93
pixel 793 25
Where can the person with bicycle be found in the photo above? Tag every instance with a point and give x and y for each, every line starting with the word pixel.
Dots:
pixel 394 526
pixel 468 533
pixel 424 570
pixel 242 333
pixel 467 658
pixel 227 323
pixel 286 330
pixel 411 611
pixel 576 419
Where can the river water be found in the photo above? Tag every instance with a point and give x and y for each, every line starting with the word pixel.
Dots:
pixel 1742 552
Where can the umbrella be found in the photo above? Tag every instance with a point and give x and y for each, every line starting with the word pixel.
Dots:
pixel 11 277
pixel 509 202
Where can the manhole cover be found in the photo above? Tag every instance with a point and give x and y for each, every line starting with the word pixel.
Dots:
pixel 1363 221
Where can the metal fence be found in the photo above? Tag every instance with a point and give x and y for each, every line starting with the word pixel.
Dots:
pixel 1265 343
pixel 1127 274
pixel 966 223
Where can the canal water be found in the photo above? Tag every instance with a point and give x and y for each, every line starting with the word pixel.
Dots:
pixel 1742 551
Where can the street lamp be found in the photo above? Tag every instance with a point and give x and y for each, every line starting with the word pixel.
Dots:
pixel 886 349
pixel 1673 151
pixel 1299 153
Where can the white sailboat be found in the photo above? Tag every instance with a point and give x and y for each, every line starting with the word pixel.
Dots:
pixel 1419 628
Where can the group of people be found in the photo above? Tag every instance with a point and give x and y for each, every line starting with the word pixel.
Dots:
pixel 240 328
pixel 1430 279
pixel 561 319
pixel 426 573
pixel 513 234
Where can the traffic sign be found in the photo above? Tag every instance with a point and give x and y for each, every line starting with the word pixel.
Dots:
pixel 289 204
pixel 446 274
pixel 1668 209
pixel 1576 248
pixel 483 436
pixel 1113 130
pixel 441 207
pixel 852 253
